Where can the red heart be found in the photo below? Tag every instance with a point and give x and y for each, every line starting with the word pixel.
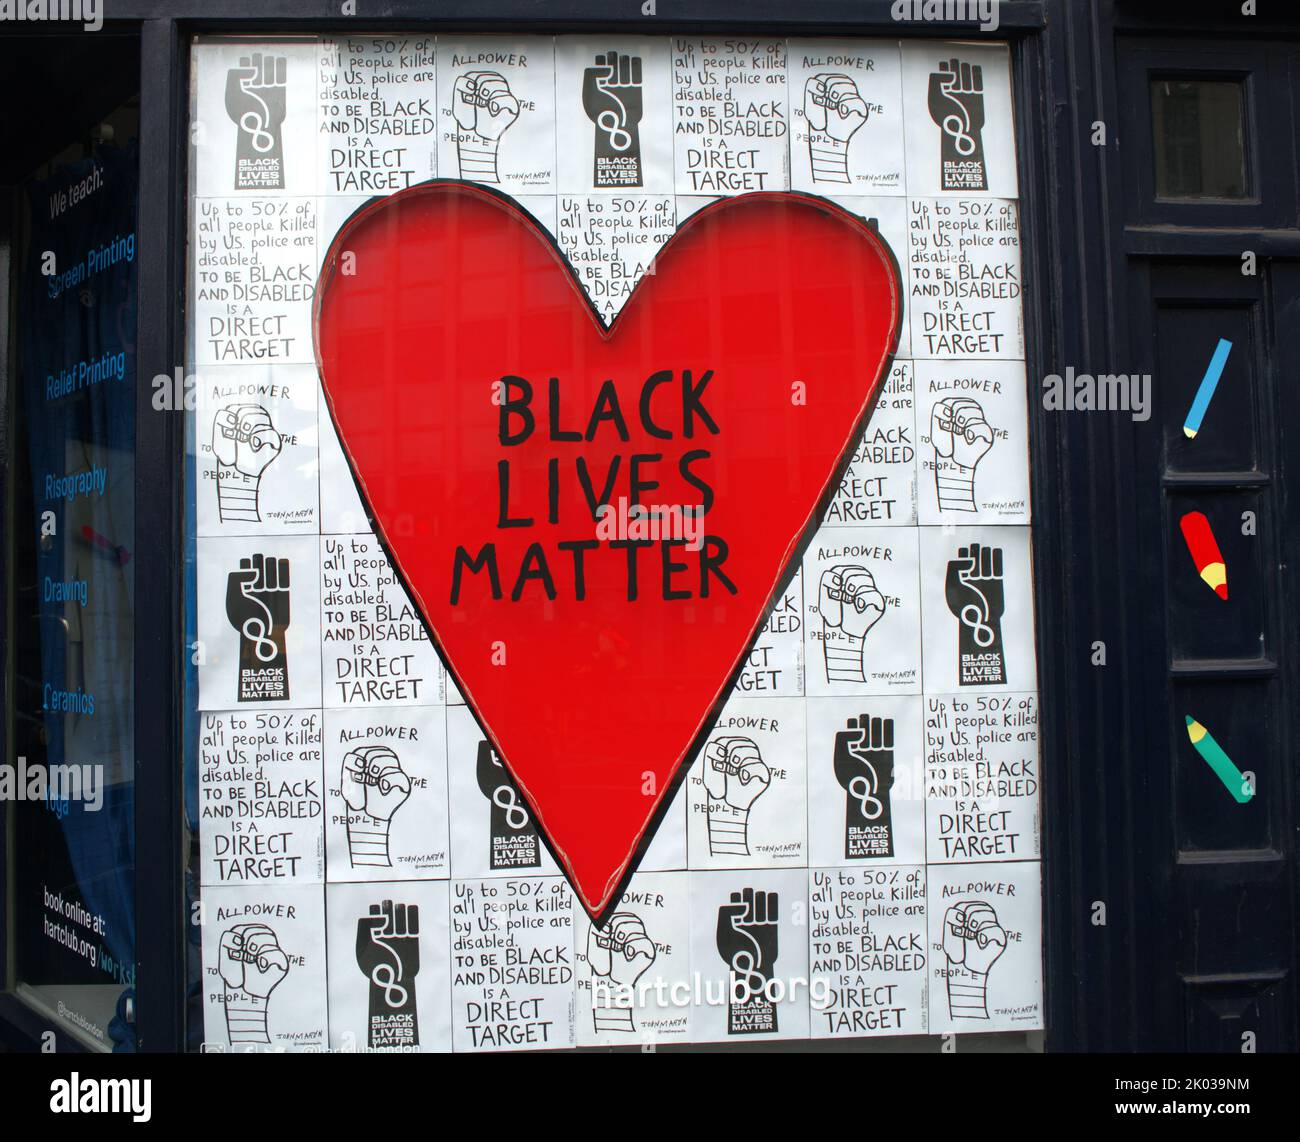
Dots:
pixel 429 298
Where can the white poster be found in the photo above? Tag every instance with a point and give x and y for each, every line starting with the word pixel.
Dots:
pixel 847 120
pixel 258 623
pixel 985 958
pixel 254 261
pixel 257 450
pixel 973 433
pixel 261 798
pixel 496 101
pixel 493 832
pixel 868 951
pixel 880 484
pixel 981 775
pixel 866 783
pixel 749 944
pixel 264 968
pixel 513 984
pixel 378 129
pixel 390 968
pixel 964 278
pixel 748 806
pixel 386 794
pixel 730 116
pixel 977 602
pixel 374 646
pixel 633 971
pixel 774 665
pixel 862 618
pixel 254 119
pixel 960 127
pixel 613 105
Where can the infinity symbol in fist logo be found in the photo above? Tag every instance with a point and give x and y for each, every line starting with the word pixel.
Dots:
pixel 257 606
pixel 388 954
pixel 956 101
pixel 611 97
pixel 975 593
pixel 747 943
pixel 256 101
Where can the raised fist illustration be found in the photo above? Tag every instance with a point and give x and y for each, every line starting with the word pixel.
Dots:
pixel 514 842
pixel 734 778
pixel 747 942
pixel 388 954
pixel 252 960
pixel 257 605
pixel 835 111
pixel 252 965
pixel 245 443
pixel 973 939
pixel 734 771
pixel 256 100
pixel 374 782
pixel 864 767
pixel 975 595
pixel 850 605
pixel 849 600
pixel 374 787
pixel 621 953
pixel 956 102
pixel 612 99
pixel 961 437
pixel 485 108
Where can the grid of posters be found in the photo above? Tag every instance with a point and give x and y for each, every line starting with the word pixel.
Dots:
pixel 855 852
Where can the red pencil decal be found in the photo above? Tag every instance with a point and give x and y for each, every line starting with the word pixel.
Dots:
pixel 1205 552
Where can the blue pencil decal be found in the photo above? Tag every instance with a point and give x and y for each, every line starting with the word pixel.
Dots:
pixel 1209 382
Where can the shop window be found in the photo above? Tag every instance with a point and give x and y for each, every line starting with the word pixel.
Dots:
pixel 1199 134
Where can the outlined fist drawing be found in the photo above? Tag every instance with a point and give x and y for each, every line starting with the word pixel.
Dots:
pixel 257 604
pixel 484 104
pixel 621 950
pixel 256 100
pixel 251 960
pixel 734 771
pixel 864 764
pixel 832 104
pixel 973 936
pixel 244 438
pixel 959 431
pixel 956 103
pixel 747 937
pixel 849 600
pixel 373 782
pixel 975 594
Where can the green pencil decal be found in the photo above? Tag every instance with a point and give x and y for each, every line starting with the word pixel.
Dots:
pixel 1220 762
